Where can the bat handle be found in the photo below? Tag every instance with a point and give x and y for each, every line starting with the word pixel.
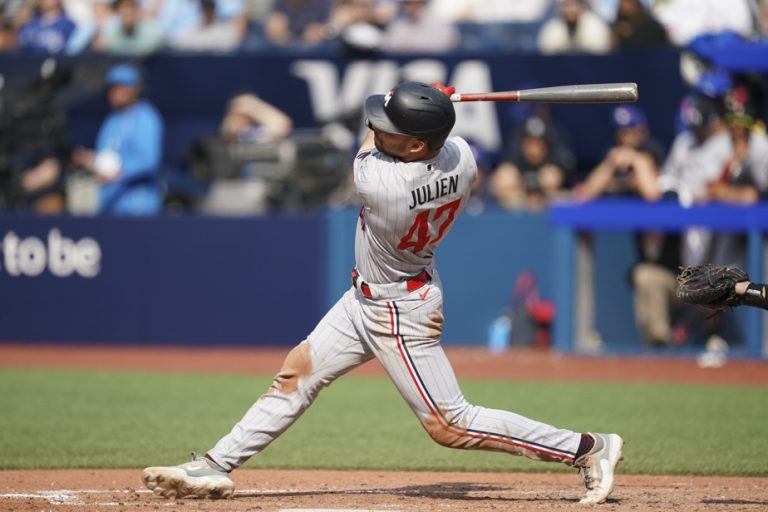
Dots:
pixel 486 96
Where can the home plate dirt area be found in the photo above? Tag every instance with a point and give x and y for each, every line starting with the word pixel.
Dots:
pixel 341 491
pixel 345 491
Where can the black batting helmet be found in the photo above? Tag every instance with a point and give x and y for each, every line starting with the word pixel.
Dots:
pixel 412 109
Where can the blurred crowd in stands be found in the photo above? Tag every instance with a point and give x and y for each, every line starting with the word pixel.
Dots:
pixel 253 163
pixel 141 27
pixel 256 162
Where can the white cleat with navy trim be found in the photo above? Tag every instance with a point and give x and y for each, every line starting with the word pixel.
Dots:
pixel 199 477
pixel 597 467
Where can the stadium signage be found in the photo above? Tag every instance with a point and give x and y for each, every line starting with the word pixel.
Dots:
pixel 334 92
pixel 61 256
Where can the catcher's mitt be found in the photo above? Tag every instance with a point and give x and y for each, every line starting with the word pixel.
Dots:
pixel 710 286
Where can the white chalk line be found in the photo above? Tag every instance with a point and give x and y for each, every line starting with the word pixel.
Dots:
pixel 73 496
pixel 332 510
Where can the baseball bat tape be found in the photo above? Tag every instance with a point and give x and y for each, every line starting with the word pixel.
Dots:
pixel 625 92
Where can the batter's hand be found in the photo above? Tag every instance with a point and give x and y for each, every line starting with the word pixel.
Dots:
pixel 445 89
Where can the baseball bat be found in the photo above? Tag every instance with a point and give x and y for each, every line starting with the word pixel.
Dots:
pixel 625 92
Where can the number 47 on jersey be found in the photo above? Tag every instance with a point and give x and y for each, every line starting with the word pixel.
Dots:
pixel 418 234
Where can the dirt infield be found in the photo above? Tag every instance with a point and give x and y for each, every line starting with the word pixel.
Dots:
pixel 91 490
pixel 85 490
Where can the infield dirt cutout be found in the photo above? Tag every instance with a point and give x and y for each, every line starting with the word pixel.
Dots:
pixel 273 490
pixel 279 490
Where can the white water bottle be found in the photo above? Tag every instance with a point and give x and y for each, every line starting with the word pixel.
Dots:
pixel 499 334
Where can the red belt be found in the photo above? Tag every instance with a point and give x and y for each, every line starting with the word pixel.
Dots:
pixel 412 284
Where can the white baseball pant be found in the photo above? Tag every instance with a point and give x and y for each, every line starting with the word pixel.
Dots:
pixel 404 335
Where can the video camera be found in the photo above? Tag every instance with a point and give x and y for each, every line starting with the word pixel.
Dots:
pixel 33 126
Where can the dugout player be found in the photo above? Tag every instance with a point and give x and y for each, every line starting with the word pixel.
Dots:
pixel 414 181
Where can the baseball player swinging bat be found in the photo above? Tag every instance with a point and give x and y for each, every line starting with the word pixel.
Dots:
pixel 414 180
pixel 584 93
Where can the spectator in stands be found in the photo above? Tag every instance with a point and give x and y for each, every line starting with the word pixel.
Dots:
pixel 494 24
pixel 14 14
pixel 607 9
pixel 711 83
pixel 173 17
pixel 453 11
pixel 298 22
pixel 504 11
pixel 257 10
pixel 575 29
pixel 714 83
pixel 490 11
pixel 560 149
pixel 128 153
pixel 81 12
pixel 133 34
pixel 530 177
pixel 631 168
pixel 48 31
pixel 360 23
pixel 214 33
pixel 698 153
pixel 762 19
pixel 635 27
pixel 7 32
pixel 234 11
pixel 687 19
pixel 103 18
pixel 744 175
pixel 415 31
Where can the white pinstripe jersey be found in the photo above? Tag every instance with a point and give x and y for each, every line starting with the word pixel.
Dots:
pixel 408 208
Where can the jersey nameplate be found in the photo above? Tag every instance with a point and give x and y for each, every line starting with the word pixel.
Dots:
pixel 432 191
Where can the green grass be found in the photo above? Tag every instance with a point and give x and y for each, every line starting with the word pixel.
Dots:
pixel 68 419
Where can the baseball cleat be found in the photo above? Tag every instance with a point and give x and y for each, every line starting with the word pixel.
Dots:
pixel 598 465
pixel 199 477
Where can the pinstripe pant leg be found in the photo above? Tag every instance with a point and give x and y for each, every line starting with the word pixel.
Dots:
pixel 331 350
pixel 407 343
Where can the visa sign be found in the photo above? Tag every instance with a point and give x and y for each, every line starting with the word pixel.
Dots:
pixel 334 92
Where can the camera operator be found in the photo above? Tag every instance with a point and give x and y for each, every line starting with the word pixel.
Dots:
pixel 35 146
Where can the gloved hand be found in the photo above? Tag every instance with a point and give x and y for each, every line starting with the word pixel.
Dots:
pixel 710 286
pixel 445 89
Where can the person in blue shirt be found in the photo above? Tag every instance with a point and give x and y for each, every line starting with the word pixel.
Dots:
pixel 128 150
pixel 48 31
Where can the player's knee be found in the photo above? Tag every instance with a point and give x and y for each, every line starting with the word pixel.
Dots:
pixel 446 434
pixel 297 364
